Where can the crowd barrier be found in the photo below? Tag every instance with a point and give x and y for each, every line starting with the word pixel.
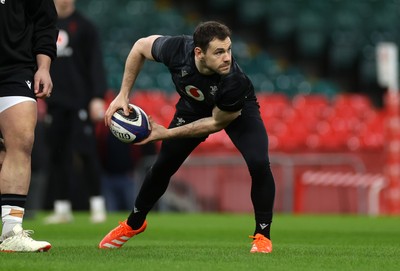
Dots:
pixel 222 182
pixel 340 192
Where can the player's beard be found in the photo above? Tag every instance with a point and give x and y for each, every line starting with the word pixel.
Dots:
pixel 224 69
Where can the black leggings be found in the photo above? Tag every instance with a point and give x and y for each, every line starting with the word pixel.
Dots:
pixel 249 136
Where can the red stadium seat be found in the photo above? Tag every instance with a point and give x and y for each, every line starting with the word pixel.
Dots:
pixel 152 102
pixel 347 105
pixel 273 105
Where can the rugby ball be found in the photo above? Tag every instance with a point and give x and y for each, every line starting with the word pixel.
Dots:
pixel 130 129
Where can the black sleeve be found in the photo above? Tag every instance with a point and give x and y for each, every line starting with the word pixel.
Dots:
pixel 232 92
pixel 44 17
pixel 165 49
pixel 95 61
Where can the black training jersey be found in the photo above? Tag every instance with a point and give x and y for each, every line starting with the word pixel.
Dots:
pixel 201 92
pixel 78 73
pixel 27 28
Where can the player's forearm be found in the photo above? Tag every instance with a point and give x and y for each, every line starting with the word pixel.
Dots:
pixel 205 126
pixel 133 66
pixel 43 62
pixel 201 127
pixel 140 51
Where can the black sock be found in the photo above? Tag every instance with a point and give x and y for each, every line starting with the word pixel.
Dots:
pixel 263 223
pixel 263 228
pixel 136 218
pixel 13 200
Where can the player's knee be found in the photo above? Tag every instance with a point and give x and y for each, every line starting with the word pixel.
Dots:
pixel 258 166
pixel 22 143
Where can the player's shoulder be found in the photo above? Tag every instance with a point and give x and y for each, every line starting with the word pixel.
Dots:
pixel 175 41
pixel 236 79
pixel 236 72
pixel 172 50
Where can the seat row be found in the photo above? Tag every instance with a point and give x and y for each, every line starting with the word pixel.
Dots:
pixel 348 122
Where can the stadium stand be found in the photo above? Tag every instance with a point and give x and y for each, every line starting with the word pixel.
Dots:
pixel 329 40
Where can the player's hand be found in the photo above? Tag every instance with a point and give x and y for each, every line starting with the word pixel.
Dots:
pixel 43 84
pixel 117 103
pixel 158 132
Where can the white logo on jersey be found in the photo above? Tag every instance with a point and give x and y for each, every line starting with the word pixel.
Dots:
pixel 28 83
pixel 184 73
pixel 213 90
pixel 3 1
pixel 62 44
pixel 180 121
pixel 195 93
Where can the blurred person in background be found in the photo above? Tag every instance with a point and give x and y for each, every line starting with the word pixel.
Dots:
pixel 121 164
pixel 28 35
pixel 215 95
pixel 78 103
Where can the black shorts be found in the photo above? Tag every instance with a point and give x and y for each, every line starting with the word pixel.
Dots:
pixel 18 84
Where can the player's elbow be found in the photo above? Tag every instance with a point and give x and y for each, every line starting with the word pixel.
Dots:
pixel 140 45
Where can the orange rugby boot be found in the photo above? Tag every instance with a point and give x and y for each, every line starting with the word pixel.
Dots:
pixel 261 244
pixel 117 237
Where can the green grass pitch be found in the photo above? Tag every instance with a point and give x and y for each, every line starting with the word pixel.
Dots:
pixel 216 242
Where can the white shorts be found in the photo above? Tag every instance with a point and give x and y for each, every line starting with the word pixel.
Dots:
pixel 8 101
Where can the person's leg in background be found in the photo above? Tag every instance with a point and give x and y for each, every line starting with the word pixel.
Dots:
pixel 118 190
pixel 84 142
pixel 59 140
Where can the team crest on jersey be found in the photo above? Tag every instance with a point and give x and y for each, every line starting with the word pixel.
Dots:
pixel 195 93
pixel 213 90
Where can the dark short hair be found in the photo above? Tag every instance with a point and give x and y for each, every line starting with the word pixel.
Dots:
pixel 205 32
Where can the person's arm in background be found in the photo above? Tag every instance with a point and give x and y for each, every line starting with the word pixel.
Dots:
pixel 98 78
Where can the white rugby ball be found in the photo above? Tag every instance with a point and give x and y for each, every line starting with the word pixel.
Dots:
pixel 130 129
